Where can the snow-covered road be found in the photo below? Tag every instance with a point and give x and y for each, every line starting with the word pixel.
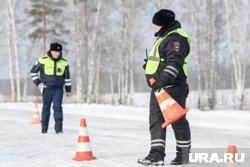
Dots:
pixel 119 135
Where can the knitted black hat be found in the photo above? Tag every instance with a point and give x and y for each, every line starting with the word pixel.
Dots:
pixel 55 47
pixel 163 17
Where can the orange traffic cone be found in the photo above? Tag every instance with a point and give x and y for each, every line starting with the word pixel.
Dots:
pixel 83 151
pixel 36 115
pixel 170 109
pixel 233 150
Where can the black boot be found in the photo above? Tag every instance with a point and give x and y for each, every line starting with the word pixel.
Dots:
pixel 59 131
pixel 180 159
pixel 44 130
pixel 152 159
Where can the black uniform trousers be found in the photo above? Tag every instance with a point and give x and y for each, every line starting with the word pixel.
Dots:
pixel 181 127
pixel 52 95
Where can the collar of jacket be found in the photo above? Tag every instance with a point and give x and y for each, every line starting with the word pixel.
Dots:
pixel 165 29
pixel 50 56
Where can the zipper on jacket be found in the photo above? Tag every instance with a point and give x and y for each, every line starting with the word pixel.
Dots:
pixel 54 68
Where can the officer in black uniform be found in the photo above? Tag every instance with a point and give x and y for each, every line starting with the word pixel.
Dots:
pixel 54 74
pixel 170 52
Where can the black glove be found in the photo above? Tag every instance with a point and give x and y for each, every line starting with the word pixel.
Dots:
pixel 144 65
pixel 156 87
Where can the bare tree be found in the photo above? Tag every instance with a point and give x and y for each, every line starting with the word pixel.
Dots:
pixel 212 42
pixel 233 34
pixel 247 37
pixel 78 59
pixel 98 59
pixel 128 30
pixel 25 85
pixel 195 41
pixel 239 64
pixel 92 52
pixel 12 50
pixel 111 80
pixel 14 44
pixel 87 63
pixel 203 45
pixel 87 13
pixel 6 11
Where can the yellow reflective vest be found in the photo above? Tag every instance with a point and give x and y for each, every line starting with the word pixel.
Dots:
pixel 154 55
pixel 52 67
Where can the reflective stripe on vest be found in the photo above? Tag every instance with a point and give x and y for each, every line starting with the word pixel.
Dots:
pixel 154 55
pixel 49 66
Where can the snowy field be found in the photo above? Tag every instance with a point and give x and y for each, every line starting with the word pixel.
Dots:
pixel 119 135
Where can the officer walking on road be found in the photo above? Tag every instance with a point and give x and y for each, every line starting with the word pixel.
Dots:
pixel 54 75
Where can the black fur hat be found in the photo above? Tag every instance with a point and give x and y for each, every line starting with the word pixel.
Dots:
pixel 163 17
pixel 55 47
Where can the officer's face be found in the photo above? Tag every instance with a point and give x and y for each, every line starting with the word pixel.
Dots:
pixel 55 54
pixel 157 28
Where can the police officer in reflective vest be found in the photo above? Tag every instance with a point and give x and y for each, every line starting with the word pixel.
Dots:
pixel 54 75
pixel 167 64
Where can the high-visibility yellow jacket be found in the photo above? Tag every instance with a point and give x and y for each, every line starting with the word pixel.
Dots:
pixel 53 72
pixel 167 60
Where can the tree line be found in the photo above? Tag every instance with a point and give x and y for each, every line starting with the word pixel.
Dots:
pixel 105 43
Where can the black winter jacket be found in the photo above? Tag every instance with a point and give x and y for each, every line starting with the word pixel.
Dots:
pixel 173 49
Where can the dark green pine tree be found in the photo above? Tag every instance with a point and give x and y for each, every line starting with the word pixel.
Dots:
pixel 47 19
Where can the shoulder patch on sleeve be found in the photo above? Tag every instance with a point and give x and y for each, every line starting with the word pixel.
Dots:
pixel 177 46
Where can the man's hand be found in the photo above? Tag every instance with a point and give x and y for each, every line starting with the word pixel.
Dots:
pixel 157 86
pixel 68 93
pixel 41 86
